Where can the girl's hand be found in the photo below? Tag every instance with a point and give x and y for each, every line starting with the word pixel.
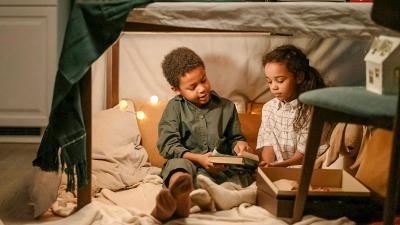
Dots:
pixel 242 146
pixel 265 164
pixel 216 168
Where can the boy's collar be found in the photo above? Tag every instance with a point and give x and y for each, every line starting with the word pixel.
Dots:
pixel 213 95
pixel 214 98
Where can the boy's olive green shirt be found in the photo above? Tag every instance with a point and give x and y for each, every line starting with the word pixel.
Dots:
pixel 186 127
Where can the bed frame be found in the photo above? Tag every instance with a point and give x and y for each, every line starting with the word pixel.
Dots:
pixel 112 90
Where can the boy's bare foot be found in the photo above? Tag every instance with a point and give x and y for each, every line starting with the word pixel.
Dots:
pixel 180 189
pixel 165 206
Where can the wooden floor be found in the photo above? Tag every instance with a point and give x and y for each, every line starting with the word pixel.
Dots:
pixel 16 172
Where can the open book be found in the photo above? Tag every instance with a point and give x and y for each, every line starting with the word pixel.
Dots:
pixel 244 159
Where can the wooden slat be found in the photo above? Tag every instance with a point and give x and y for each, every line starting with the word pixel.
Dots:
pixel 84 196
pixel 145 27
pixel 112 96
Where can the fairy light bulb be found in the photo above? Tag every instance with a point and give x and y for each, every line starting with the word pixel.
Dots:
pixel 123 105
pixel 140 115
pixel 154 99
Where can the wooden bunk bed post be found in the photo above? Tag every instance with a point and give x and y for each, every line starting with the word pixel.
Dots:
pixel 112 97
pixel 84 196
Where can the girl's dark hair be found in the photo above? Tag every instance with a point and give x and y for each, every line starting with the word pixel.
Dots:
pixel 297 63
pixel 178 62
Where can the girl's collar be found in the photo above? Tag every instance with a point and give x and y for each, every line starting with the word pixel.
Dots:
pixel 288 105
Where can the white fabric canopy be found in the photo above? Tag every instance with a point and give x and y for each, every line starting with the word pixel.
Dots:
pixel 233 62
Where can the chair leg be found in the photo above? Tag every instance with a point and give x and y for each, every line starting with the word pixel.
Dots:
pixel 393 187
pixel 313 142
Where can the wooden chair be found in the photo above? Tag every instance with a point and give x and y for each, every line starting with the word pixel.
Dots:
pixel 353 105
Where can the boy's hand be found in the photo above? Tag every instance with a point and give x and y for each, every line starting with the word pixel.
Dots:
pixel 202 159
pixel 210 167
pixel 242 146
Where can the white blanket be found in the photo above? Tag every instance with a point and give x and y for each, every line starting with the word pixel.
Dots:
pixel 132 202
pixel 99 213
pixel 133 206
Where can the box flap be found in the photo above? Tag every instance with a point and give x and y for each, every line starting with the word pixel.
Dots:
pixel 333 182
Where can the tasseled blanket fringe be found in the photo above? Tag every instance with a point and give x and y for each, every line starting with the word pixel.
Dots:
pixel 49 159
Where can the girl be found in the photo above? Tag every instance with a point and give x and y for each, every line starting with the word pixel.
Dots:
pixel 285 121
pixel 284 128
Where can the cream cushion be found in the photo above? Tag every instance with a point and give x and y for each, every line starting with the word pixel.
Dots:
pixel 149 129
pixel 375 160
pixel 118 159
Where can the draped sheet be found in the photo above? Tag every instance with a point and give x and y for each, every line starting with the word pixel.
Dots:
pixel 322 19
pixel 233 62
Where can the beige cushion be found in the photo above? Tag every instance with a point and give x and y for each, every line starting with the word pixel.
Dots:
pixel 249 124
pixel 149 129
pixel 43 192
pixel 375 158
pixel 114 128
pixel 117 157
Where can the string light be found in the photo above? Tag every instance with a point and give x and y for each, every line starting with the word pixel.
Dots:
pixel 123 105
pixel 154 99
pixel 140 115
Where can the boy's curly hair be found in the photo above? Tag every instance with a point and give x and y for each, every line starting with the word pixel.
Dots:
pixel 178 62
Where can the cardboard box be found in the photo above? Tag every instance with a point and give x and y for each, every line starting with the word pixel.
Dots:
pixel 343 195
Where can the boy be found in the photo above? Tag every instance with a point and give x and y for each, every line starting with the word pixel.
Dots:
pixel 195 122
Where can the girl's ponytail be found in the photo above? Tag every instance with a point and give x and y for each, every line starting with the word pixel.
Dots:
pixel 312 80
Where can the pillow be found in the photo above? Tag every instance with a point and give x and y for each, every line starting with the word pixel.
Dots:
pixel 374 164
pixel 118 160
pixel 113 128
pixel 149 129
pixel 254 108
pixel 43 190
pixel 249 125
